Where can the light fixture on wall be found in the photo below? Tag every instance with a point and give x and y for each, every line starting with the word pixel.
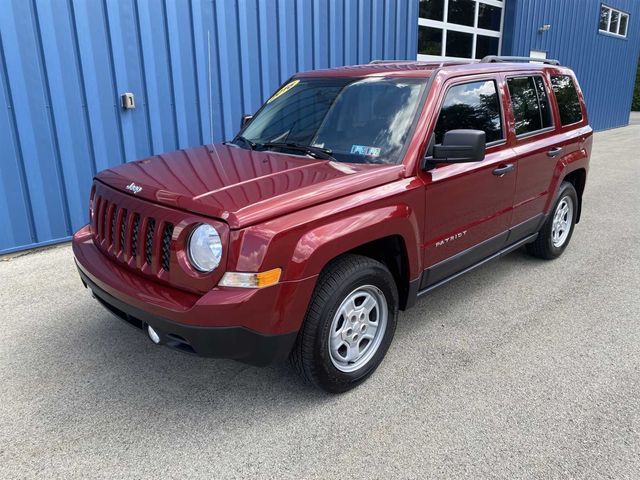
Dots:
pixel 544 28
pixel 127 100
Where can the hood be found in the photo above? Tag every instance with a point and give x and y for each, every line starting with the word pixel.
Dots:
pixel 240 186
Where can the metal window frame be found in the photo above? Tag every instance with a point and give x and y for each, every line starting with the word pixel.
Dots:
pixel 610 14
pixel 532 133
pixel 445 26
pixel 456 82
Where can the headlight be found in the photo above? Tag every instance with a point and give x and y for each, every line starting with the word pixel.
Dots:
pixel 205 248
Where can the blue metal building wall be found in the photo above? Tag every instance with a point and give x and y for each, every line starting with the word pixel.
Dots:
pixel 194 66
pixel 605 65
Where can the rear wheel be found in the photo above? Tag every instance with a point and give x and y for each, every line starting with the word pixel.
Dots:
pixel 349 324
pixel 556 232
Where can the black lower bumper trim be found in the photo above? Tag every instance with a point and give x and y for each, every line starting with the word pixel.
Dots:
pixel 237 343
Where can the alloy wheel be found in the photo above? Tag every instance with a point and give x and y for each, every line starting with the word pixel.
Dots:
pixel 357 328
pixel 562 220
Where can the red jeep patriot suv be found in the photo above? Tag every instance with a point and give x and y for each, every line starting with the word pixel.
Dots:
pixel 351 192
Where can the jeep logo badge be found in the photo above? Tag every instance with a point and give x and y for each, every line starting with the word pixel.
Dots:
pixel 134 188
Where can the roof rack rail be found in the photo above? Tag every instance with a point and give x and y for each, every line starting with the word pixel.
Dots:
pixel 499 58
pixel 375 62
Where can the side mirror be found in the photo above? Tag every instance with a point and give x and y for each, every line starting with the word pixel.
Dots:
pixel 244 120
pixel 460 146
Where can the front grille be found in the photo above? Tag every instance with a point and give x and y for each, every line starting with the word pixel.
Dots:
pixel 125 234
pixel 166 245
pixel 148 241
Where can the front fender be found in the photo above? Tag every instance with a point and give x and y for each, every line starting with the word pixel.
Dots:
pixel 302 243
pixel 319 246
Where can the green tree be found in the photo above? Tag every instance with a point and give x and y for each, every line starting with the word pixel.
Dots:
pixel 635 104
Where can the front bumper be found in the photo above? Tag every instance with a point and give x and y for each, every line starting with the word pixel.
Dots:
pixel 237 343
pixel 256 326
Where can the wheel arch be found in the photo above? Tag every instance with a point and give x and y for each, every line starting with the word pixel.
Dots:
pixel 578 179
pixel 389 235
pixel 391 251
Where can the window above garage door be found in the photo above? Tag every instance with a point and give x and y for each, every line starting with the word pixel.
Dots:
pixel 459 29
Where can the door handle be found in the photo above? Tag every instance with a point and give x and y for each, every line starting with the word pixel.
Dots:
pixel 554 152
pixel 500 171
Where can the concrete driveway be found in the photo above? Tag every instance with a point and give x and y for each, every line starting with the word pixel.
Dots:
pixel 521 369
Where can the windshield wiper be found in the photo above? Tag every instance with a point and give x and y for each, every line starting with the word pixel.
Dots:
pixel 317 152
pixel 246 141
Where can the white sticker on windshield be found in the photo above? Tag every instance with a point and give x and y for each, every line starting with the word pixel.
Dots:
pixel 364 150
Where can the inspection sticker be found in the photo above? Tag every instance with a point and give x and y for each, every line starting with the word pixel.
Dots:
pixel 364 150
pixel 283 90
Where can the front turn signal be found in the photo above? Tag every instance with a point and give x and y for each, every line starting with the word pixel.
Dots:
pixel 251 280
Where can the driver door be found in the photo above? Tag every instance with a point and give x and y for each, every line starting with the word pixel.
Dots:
pixel 468 205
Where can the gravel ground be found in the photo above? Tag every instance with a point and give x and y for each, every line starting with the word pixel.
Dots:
pixel 521 369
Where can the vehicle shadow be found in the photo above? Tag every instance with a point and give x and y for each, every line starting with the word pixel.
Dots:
pixel 116 367
pixel 109 367
pixel 485 281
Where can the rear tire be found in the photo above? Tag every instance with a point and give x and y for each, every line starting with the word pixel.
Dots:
pixel 349 324
pixel 555 234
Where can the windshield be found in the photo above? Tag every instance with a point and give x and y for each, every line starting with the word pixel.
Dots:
pixel 357 120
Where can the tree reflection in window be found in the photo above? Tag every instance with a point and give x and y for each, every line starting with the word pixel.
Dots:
pixel 604 17
pixel 524 101
pixel 471 105
pixel 567 98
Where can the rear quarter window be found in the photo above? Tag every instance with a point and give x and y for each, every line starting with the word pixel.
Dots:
pixel 567 98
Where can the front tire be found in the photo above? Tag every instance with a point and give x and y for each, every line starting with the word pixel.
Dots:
pixel 349 324
pixel 556 232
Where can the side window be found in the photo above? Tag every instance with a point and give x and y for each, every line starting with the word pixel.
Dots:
pixel 543 99
pixel 471 105
pixel 567 97
pixel 530 104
